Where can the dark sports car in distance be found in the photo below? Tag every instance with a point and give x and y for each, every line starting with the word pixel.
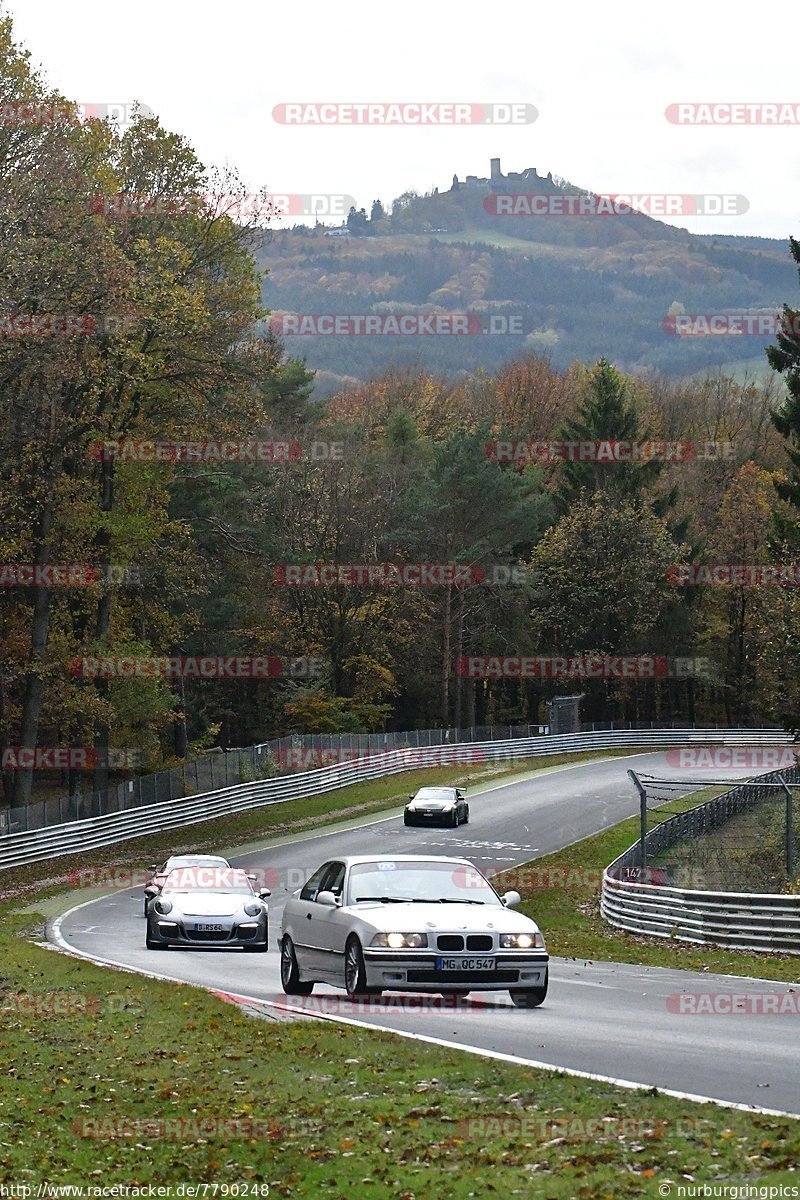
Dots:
pixel 437 806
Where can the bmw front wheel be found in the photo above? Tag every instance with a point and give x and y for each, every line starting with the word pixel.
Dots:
pixel 529 997
pixel 355 971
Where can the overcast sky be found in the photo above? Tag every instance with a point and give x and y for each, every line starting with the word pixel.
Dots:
pixel 600 76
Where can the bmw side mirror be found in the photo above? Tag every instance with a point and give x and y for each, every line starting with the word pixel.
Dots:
pixel 511 899
pixel 327 899
pixel 263 893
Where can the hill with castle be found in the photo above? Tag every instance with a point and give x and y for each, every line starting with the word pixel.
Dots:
pixel 496 181
pixel 570 287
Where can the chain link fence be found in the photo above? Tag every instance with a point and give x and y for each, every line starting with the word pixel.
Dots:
pixel 740 841
pixel 224 768
pixel 298 752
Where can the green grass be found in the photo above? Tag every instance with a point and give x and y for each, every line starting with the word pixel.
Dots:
pixel 345 1112
pixel 569 913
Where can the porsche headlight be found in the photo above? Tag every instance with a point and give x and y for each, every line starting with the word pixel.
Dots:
pixel 163 906
pixel 252 909
pixel 521 941
pixel 400 941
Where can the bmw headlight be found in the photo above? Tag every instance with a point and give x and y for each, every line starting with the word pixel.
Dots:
pixel 400 941
pixel 521 941
pixel 252 909
pixel 163 906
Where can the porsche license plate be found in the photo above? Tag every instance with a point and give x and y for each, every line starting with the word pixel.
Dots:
pixel 459 963
pixel 204 927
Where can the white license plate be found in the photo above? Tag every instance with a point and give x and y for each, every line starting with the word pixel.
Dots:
pixel 206 928
pixel 465 964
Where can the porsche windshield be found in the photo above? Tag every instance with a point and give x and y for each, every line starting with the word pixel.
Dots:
pixel 392 880
pixel 207 879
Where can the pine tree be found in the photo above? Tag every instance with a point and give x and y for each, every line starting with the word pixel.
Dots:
pixel 605 414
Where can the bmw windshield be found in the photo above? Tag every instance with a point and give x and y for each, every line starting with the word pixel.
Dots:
pixel 392 880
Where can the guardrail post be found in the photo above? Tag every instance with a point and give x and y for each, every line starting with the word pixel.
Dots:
pixel 789 830
pixel 642 820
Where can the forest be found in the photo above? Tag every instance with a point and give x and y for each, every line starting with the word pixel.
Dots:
pixel 199 550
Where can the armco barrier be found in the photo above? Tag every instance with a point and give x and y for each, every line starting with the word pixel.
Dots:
pixel 739 920
pixel 17 849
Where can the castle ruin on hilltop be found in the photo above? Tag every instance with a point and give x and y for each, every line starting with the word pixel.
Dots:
pixel 498 182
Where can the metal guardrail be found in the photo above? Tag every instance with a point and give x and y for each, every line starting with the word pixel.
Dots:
pixel 739 920
pixel 17 849
pixel 217 768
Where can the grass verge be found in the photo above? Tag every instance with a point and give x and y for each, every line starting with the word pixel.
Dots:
pixel 102 1065
pixel 92 1056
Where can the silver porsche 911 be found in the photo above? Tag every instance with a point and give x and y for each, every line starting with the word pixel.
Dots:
pixel 159 874
pixel 208 906
pixel 409 923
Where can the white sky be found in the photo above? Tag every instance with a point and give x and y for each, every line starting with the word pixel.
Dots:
pixel 601 76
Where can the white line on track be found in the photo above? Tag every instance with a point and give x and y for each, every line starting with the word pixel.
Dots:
pixel 66 948
pixel 496 1055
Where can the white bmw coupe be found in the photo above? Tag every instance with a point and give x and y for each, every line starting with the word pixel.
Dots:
pixel 409 923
